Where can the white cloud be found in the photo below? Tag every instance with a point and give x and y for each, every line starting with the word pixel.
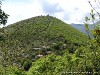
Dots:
pixel 59 15
pixel 20 11
pixel 70 11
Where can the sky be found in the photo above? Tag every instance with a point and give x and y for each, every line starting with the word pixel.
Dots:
pixel 69 11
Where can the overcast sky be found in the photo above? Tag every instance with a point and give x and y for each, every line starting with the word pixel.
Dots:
pixel 70 11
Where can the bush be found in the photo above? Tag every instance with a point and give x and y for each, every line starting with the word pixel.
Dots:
pixel 27 64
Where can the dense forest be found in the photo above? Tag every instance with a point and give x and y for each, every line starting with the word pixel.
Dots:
pixel 45 45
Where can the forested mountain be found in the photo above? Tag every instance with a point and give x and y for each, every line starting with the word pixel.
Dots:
pixel 42 45
pixel 39 33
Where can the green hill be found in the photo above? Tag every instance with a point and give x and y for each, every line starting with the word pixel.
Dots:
pixel 44 28
pixel 38 35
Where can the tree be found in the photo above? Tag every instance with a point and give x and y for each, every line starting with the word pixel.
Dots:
pixel 3 16
pixel 3 20
pixel 94 43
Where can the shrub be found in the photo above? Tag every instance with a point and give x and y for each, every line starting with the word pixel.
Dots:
pixel 27 64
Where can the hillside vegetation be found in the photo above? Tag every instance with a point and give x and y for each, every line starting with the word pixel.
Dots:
pixel 24 42
pixel 44 27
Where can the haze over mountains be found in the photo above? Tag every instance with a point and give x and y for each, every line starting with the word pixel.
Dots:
pixel 80 27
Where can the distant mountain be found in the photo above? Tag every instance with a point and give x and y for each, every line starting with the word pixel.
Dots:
pixel 80 27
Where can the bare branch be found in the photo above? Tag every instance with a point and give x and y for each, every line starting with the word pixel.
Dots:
pixel 97 3
pixel 94 9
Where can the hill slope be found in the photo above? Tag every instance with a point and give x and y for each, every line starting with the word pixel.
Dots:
pixel 44 27
pixel 37 35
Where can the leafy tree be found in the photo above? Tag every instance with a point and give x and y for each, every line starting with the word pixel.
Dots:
pixel 3 16
pixel 3 20
pixel 94 43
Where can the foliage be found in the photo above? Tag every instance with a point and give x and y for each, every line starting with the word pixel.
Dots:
pixel 49 65
pixel 36 36
pixel 24 47
pixel 94 43
pixel 27 64
pixel 66 64
pixel 11 70
pixel 3 16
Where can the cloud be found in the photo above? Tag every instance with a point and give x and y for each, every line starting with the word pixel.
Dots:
pixel 70 11
pixel 20 11
pixel 50 8
pixel 17 1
